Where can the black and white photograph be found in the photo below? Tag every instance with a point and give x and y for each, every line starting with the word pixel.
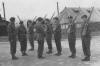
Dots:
pixel 49 32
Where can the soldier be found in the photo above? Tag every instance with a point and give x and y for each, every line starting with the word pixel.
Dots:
pixel 40 36
pixel 57 36
pixel 49 35
pixel 22 37
pixel 12 37
pixel 86 38
pixel 72 37
pixel 31 35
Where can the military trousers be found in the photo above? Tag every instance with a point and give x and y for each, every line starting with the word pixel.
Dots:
pixel 13 47
pixel 31 40
pixel 23 45
pixel 49 42
pixel 72 43
pixel 86 46
pixel 58 43
pixel 40 47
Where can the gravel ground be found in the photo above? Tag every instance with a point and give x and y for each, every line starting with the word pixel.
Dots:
pixel 51 60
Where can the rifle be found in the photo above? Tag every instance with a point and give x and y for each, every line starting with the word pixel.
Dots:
pixel 34 18
pixel 86 24
pixel 19 18
pixel 52 16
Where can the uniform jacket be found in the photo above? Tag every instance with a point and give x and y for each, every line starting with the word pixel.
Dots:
pixel 22 33
pixel 12 32
pixel 88 31
pixel 39 31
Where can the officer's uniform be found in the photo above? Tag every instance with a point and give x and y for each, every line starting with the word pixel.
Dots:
pixel 40 37
pixel 31 36
pixel 86 37
pixel 12 33
pixel 57 37
pixel 22 37
pixel 72 39
pixel 49 37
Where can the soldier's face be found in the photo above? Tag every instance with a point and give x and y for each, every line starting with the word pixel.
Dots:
pixel 84 19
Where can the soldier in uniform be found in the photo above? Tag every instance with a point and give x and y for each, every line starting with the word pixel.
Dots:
pixel 12 33
pixel 31 35
pixel 57 36
pixel 40 36
pixel 22 37
pixel 72 37
pixel 49 35
pixel 86 38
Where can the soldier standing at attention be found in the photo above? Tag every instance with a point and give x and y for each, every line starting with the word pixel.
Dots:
pixel 22 37
pixel 31 35
pixel 57 36
pixel 86 38
pixel 72 37
pixel 39 28
pixel 49 35
pixel 12 33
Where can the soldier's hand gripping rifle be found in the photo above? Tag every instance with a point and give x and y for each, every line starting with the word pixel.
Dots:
pixel 86 24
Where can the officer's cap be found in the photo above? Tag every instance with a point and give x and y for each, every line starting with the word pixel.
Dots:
pixel 12 19
pixel 84 16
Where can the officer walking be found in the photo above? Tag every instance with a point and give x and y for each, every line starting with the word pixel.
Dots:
pixel 57 36
pixel 31 35
pixel 86 38
pixel 49 36
pixel 40 36
pixel 72 37
pixel 12 33
pixel 22 37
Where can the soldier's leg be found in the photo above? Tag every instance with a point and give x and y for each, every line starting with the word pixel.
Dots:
pixel 58 44
pixel 40 48
pixel 73 46
pixel 13 49
pixel 25 48
pixel 88 53
pixel 49 43
pixel 31 40
pixel 83 46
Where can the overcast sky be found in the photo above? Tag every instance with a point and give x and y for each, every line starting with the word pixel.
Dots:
pixel 30 8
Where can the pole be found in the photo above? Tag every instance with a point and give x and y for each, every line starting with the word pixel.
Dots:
pixel 4 10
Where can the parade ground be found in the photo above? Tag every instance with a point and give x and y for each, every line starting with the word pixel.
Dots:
pixel 51 60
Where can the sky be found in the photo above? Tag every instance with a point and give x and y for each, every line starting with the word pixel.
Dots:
pixel 28 9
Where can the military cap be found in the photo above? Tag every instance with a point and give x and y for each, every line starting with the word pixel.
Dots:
pixel 84 16
pixel 39 19
pixel 12 19
pixel 47 20
pixel 70 17
pixel 21 22
pixel 56 18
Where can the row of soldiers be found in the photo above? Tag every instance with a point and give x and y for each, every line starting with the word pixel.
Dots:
pixel 43 29
pixel 39 30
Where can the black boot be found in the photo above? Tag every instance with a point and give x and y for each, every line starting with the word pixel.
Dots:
pixel 32 49
pixel 49 52
pixel 86 59
pixel 24 53
pixel 58 54
pixel 72 56
pixel 41 57
pixel 14 57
